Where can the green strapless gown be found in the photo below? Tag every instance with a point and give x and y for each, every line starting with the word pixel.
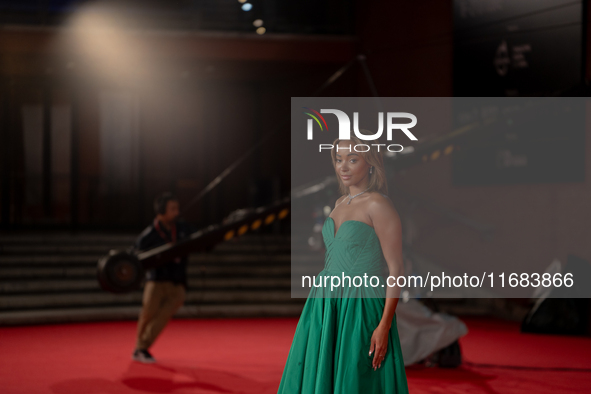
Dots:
pixel 330 348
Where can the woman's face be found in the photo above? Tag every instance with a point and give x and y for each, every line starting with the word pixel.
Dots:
pixel 350 165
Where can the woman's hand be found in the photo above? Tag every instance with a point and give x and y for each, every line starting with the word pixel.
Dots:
pixel 379 345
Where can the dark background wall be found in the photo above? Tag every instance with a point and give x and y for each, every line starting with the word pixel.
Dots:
pixel 222 95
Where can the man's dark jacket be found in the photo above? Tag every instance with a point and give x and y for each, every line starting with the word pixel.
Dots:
pixel 173 271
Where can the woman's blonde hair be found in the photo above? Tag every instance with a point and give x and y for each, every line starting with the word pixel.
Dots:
pixel 373 157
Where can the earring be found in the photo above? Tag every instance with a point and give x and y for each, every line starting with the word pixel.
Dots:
pixel 371 170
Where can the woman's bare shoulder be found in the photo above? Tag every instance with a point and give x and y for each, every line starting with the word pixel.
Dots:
pixel 380 199
pixel 381 204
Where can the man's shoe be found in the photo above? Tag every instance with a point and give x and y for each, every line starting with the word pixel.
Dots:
pixel 143 356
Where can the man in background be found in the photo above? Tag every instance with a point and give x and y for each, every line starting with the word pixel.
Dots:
pixel 165 287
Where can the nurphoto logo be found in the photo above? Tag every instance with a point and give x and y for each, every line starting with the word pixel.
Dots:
pixel 345 128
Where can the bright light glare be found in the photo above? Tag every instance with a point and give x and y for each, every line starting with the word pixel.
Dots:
pixel 110 49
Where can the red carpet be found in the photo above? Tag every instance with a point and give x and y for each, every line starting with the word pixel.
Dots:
pixel 248 355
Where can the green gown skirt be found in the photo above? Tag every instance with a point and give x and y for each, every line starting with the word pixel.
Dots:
pixel 330 348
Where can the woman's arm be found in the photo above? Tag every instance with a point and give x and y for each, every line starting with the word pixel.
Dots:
pixel 388 228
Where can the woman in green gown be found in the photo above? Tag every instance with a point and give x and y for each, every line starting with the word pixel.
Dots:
pixel 346 340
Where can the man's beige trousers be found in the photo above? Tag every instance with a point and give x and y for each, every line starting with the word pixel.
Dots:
pixel 160 302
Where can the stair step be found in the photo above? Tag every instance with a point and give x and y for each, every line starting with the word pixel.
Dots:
pixel 47 272
pixel 102 238
pixel 90 271
pixel 201 258
pixel 36 249
pixel 65 238
pixel 49 259
pixel 101 250
pixel 229 247
pixel 40 301
pixel 19 245
pixel 71 315
pixel 40 286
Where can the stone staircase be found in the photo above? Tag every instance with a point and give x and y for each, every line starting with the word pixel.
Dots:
pixel 51 277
